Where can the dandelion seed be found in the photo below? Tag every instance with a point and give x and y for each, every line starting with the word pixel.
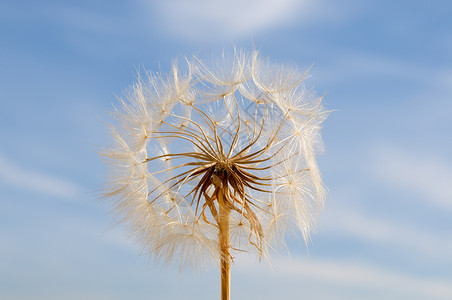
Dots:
pixel 217 160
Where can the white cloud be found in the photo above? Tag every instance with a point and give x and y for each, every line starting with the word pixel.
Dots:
pixel 353 65
pixel 353 275
pixel 416 174
pixel 421 174
pixel 445 79
pixel 34 181
pixel 367 228
pixel 229 19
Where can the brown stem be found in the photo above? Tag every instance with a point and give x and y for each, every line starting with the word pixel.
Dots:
pixel 224 243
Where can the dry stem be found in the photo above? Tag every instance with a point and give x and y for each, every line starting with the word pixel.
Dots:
pixel 224 243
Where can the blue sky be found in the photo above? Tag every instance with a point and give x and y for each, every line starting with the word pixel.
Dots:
pixel 386 66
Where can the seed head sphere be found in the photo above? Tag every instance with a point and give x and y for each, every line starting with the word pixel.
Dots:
pixel 238 130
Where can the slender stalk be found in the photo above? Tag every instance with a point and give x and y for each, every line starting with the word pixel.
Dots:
pixel 224 243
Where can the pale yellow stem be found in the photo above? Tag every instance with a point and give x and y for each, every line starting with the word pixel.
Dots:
pixel 224 243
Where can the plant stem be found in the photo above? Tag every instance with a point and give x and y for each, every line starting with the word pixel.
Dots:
pixel 224 243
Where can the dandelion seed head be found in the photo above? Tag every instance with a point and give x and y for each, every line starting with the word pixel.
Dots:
pixel 240 129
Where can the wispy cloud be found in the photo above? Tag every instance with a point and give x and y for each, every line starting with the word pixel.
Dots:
pixel 357 65
pixel 35 181
pixel 418 176
pixel 386 232
pixel 446 78
pixel 353 275
pixel 229 19
pixel 418 173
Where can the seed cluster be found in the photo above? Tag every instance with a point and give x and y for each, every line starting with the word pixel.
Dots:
pixel 241 131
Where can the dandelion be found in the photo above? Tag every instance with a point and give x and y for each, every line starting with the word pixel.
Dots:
pixel 216 160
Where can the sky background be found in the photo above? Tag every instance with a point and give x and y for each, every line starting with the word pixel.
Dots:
pixel 386 66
